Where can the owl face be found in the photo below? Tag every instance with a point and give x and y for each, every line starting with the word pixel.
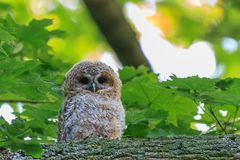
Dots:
pixel 95 82
pixel 92 78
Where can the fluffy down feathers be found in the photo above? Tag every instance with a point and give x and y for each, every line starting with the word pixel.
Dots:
pixel 87 113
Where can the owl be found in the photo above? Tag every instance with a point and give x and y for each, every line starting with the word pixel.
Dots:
pixel 92 108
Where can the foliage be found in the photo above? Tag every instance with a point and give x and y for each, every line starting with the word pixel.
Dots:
pixel 82 37
pixel 168 108
pixel 28 74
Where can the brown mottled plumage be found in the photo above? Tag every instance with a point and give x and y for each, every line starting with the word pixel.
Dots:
pixel 92 107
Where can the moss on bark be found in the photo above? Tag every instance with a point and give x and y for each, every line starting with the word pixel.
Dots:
pixel 179 147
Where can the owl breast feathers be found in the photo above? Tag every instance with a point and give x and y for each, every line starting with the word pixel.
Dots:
pixel 92 107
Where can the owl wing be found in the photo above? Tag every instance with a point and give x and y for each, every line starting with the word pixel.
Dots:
pixel 65 122
pixel 121 116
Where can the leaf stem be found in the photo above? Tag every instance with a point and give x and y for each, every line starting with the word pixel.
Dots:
pixel 234 118
pixel 205 111
pixel 216 119
pixel 228 121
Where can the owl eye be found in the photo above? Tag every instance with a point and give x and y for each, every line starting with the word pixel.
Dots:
pixel 84 80
pixel 102 80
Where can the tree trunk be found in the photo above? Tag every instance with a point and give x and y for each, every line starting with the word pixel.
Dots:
pixel 179 147
pixel 109 17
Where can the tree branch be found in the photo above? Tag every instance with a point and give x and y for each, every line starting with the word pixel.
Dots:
pixel 179 147
pixel 109 17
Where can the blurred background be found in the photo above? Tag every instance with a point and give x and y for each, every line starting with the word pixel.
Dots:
pixel 184 38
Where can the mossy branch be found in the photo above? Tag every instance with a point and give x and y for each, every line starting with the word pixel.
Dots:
pixel 179 147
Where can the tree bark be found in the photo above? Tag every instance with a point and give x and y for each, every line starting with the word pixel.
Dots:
pixel 109 17
pixel 168 148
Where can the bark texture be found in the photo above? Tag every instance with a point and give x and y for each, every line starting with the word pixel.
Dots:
pixel 168 148
pixel 109 17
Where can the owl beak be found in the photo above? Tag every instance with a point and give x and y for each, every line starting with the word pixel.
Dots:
pixel 93 87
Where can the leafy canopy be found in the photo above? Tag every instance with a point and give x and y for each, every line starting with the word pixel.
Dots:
pixel 28 76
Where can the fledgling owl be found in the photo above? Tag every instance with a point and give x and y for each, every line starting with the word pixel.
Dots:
pixel 92 107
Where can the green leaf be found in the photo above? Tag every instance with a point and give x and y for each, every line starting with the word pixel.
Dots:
pixel 128 73
pixel 221 98
pixel 191 83
pixel 141 128
pixel 6 36
pixel 15 134
pixel 2 50
pixel 39 35
pixel 164 129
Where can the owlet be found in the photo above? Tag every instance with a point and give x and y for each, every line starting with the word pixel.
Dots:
pixel 92 107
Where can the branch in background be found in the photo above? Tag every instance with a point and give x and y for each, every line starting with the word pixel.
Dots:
pixel 110 19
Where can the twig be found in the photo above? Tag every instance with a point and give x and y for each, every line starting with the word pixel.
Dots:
pixel 205 111
pixel 211 128
pixel 234 118
pixel 228 121
pixel 215 117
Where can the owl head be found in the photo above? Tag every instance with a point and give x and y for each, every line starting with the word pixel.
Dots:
pixel 92 78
